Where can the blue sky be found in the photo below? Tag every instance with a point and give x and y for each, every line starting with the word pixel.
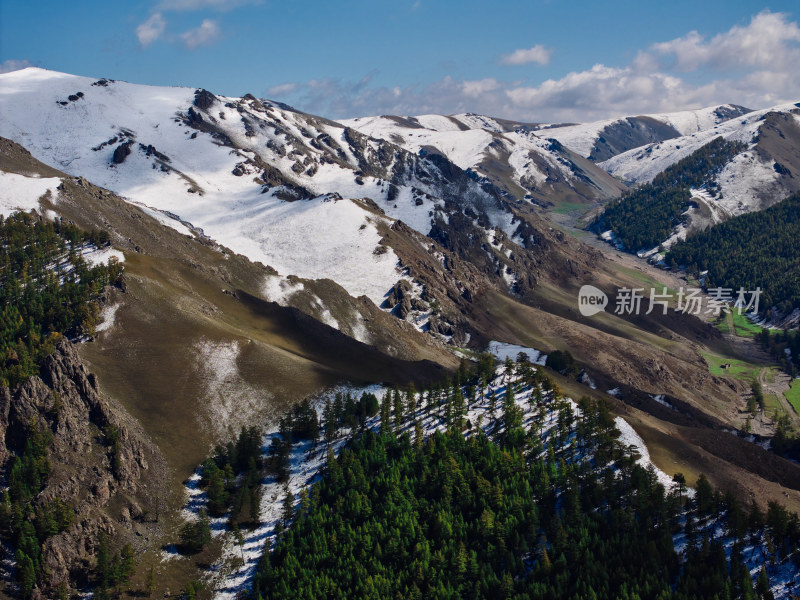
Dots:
pixel 534 60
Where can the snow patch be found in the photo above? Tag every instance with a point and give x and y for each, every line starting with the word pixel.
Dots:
pixel 504 350
pixel 629 437
pixel 229 399
pixel 20 192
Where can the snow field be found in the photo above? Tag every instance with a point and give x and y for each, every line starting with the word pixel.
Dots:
pixel 315 239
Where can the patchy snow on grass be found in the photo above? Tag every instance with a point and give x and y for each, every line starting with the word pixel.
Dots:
pixel 168 219
pixel 100 256
pixel 662 400
pixel 280 289
pixel 629 437
pixel 108 316
pixel 503 350
pixel 229 399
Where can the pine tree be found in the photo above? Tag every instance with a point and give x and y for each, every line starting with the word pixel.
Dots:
pixel 763 586
pixel 680 479
pixel 253 505
pixel 103 562
pixel 329 424
pixel 418 436
pixel 397 402
pixel 386 412
pixel 287 513
pixel 26 574
pixel 239 539
pixel 411 399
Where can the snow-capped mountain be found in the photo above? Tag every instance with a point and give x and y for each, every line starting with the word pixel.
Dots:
pixel 308 197
pixel 601 140
pixel 276 185
pixel 267 253
pixel 763 174
pixel 513 156
pixel 543 162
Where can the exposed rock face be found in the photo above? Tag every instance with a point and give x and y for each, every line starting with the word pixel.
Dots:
pixel 401 298
pixel 121 152
pixel 117 495
pixel 203 99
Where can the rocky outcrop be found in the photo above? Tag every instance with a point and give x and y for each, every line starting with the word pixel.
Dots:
pixel 402 300
pixel 112 487
pixel 121 152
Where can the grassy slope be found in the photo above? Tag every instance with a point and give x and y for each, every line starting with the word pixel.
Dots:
pixel 793 395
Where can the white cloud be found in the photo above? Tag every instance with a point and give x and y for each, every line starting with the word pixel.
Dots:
pixel 754 65
pixel 479 87
pixel 189 5
pixel 538 54
pixel 276 91
pixel 152 29
pixel 14 65
pixel 207 32
pixel 767 42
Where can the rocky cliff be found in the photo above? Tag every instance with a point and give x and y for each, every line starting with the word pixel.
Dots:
pixel 102 464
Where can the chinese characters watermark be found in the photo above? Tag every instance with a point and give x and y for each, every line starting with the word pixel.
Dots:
pixel 692 301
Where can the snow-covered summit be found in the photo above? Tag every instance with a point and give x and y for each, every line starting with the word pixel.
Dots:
pixel 277 185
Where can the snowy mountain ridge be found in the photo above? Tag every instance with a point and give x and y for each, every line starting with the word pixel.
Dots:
pixel 752 180
pixel 252 175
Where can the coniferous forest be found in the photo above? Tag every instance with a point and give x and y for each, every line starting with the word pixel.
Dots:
pixel 759 249
pixel 548 505
pixel 46 289
pixel 646 216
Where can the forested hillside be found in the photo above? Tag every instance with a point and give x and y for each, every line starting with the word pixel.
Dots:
pixel 543 502
pixel 47 289
pixel 647 216
pixel 757 249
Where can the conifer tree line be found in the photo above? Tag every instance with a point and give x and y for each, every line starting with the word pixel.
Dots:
pixel 647 215
pixel 548 505
pixel 777 343
pixel 46 289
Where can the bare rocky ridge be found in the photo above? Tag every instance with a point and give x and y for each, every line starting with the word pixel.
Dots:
pixel 125 501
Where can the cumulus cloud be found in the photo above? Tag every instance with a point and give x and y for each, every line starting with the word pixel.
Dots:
pixel 207 32
pixel 477 88
pixel 754 65
pixel 14 65
pixel 152 29
pixel 768 41
pixel 538 54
